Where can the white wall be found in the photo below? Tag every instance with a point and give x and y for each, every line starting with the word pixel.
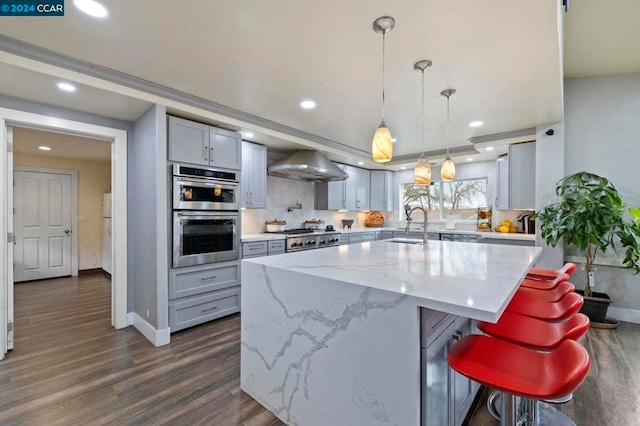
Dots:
pixel 602 136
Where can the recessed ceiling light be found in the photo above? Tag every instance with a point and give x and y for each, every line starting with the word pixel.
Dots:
pixel 308 104
pixel 44 148
pixel 248 134
pixel 476 124
pixel 489 148
pixel 394 140
pixel 67 87
pixel 91 8
pixel 402 168
pixel 469 159
pixel 360 163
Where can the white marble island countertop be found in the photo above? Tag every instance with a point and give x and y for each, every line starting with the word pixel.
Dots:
pixel 472 280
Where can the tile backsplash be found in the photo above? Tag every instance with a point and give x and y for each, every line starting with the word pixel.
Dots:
pixel 283 193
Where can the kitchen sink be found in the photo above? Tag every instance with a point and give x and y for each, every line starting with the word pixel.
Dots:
pixel 405 241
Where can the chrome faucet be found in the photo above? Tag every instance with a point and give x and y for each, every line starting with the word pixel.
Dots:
pixel 408 212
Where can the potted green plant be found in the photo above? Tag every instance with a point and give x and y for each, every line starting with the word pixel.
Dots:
pixel 592 217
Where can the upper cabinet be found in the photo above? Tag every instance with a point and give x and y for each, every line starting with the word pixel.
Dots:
pixel 197 143
pixel 254 176
pixel 516 178
pixel 381 190
pixel 349 194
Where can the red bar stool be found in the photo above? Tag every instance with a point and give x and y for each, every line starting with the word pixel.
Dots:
pixel 550 274
pixel 518 371
pixel 561 310
pixel 552 295
pixel 540 284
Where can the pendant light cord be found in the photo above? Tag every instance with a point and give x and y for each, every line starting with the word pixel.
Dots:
pixel 422 117
pixel 448 125
pixel 383 37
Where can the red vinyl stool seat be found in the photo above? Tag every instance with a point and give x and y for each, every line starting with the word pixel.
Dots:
pixel 540 284
pixel 564 308
pixel 519 371
pixel 534 333
pixel 550 274
pixel 552 295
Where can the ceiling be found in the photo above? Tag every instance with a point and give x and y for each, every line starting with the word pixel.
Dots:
pixel 263 58
pixel 28 141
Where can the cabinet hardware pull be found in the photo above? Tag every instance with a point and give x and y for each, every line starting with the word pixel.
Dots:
pixel 210 309
pixel 212 277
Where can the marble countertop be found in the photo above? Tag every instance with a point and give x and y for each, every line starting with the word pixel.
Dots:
pixel 471 280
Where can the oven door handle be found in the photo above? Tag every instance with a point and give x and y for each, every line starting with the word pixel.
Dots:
pixel 209 182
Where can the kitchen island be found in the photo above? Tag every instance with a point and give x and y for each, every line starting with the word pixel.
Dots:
pixel 333 336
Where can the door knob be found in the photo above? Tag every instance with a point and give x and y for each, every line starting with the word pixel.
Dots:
pixel 67 231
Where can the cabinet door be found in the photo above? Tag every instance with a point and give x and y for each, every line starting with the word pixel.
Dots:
pixel 363 189
pixel 336 195
pixel 381 190
pixel 188 141
pixel 522 176
pixel 254 175
pixel 502 183
pixel 225 149
pixel 461 388
pixel 351 186
pixel 435 383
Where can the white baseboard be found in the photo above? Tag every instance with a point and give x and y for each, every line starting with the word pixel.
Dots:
pixel 157 337
pixel 130 318
pixel 624 314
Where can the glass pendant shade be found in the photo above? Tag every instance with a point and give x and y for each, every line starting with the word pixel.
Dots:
pixel 382 147
pixel 422 172
pixel 448 170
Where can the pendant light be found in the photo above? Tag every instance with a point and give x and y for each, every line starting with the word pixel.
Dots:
pixel 448 169
pixel 382 146
pixel 422 172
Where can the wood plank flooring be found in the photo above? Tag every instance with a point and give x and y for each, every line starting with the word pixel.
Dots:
pixel 70 367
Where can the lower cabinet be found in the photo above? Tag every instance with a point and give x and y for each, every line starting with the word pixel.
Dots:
pixel 446 395
pixel 202 293
pixel 361 237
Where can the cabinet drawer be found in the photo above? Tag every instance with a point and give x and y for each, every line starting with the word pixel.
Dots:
pixel 253 249
pixel 276 246
pixel 196 310
pixel 344 239
pixel 185 282
pixel 433 323
pixel 359 238
pixel 385 235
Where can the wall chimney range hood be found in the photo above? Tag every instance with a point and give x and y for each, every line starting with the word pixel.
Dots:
pixel 307 165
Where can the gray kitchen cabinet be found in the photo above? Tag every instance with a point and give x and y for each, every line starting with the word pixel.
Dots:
pixel 447 396
pixel 202 293
pixel 416 235
pixel 464 238
pixel 255 249
pixel 381 190
pixel 385 235
pixel 357 188
pixel 225 149
pixel 199 279
pixel 276 247
pixel 510 242
pixel 188 141
pixel 502 183
pixel 190 311
pixel 349 194
pixel 332 195
pixel 254 176
pixel 516 178
pixel 361 237
pixel 198 143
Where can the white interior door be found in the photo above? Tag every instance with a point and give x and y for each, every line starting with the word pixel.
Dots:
pixel 42 225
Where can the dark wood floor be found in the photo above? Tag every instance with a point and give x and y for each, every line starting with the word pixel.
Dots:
pixel 70 367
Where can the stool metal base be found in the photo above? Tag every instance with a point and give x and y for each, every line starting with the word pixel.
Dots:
pixel 545 414
pixel 561 400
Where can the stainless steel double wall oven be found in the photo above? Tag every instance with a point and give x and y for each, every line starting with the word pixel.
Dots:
pixel 206 217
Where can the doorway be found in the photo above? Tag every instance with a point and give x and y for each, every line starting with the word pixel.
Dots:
pixel 118 146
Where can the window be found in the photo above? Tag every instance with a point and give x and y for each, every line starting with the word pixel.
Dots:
pixel 460 197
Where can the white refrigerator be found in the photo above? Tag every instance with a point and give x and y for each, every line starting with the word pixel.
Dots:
pixel 107 262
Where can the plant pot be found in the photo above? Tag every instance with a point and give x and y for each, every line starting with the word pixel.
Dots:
pixel 595 306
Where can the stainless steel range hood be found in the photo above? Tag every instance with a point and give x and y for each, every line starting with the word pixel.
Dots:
pixel 309 166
